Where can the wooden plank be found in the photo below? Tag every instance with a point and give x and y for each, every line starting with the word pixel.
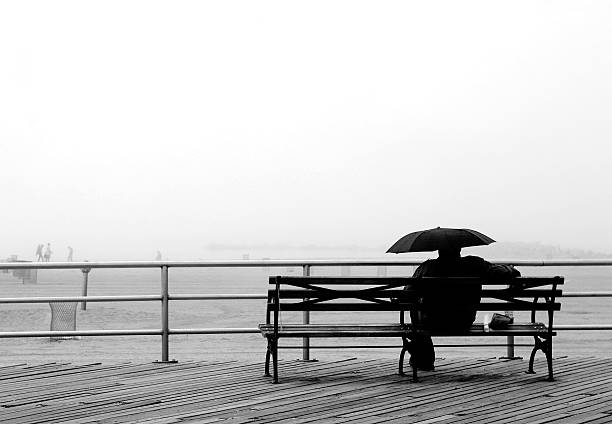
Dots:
pixel 360 405
pixel 316 389
pixel 523 401
pixel 124 399
pixel 436 401
pixel 517 396
pixel 467 390
pixel 218 396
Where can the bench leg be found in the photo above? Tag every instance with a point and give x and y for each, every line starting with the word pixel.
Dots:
pixel 538 344
pixel 267 369
pixel 531 359
pixel 407 348
pixel 405 344
pixel 275 359
pixel 548 353
pixel 546 347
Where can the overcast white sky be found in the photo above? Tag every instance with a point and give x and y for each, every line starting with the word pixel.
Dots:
pixel 132 126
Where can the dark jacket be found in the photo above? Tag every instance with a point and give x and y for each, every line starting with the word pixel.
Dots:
pixel 438 300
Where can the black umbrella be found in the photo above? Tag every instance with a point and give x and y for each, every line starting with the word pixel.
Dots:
pixel 439 239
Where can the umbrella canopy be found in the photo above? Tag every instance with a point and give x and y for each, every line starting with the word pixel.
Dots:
pixel 439 239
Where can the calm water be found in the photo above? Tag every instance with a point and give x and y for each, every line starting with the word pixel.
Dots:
pixel 245 313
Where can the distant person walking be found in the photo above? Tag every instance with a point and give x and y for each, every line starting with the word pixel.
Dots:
pixel 39 252
pixel 70 252
pixel 48 253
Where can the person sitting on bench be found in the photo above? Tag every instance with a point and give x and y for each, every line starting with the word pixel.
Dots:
pixel 437 301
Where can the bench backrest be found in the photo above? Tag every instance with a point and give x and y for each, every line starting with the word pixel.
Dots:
pixel 388 294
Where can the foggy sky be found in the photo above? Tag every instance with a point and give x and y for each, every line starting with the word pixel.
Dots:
pixel 129 127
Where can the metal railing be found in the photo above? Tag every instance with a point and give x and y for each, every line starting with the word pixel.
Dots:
pixel 165 296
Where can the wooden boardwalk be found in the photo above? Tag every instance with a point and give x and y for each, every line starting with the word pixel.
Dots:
pixel 466 390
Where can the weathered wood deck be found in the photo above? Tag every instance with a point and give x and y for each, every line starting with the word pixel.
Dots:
pixel 348 391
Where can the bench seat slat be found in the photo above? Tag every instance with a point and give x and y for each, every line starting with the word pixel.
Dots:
pixel 402 281
pixel 365 306
pixel 390 330
pixel 399 293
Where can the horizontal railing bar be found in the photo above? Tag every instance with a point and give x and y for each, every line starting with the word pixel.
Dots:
pixel 282 263
pixel 247 330
pixel 214 331
pixel 587 294
pixel 210 264
pixel 134 298
pixel 9 334
pixel 400 346
pixel 220 296
pixel 552 262
pixel 570 327
pixel 215 296
pixel 256 330
pixel 136 332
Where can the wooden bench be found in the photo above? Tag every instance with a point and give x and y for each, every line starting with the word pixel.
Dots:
pixel 379 294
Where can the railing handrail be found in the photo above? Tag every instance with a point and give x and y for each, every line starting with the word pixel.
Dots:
pixel 46 299
pixel 164 297
pixel 283 263
pixel 195 296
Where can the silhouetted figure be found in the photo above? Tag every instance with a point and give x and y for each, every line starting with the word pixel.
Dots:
pixel 449 263
pixel 39 252
pixel 70 253
pixel 48 253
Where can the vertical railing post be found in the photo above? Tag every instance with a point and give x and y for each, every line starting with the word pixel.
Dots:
pixel 510 348
pixel 164 312
pixel 306 320
pixel 510 339
pixel 85 272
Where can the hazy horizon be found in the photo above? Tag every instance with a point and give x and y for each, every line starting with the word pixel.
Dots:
pixel 131 127
pixel 497 251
